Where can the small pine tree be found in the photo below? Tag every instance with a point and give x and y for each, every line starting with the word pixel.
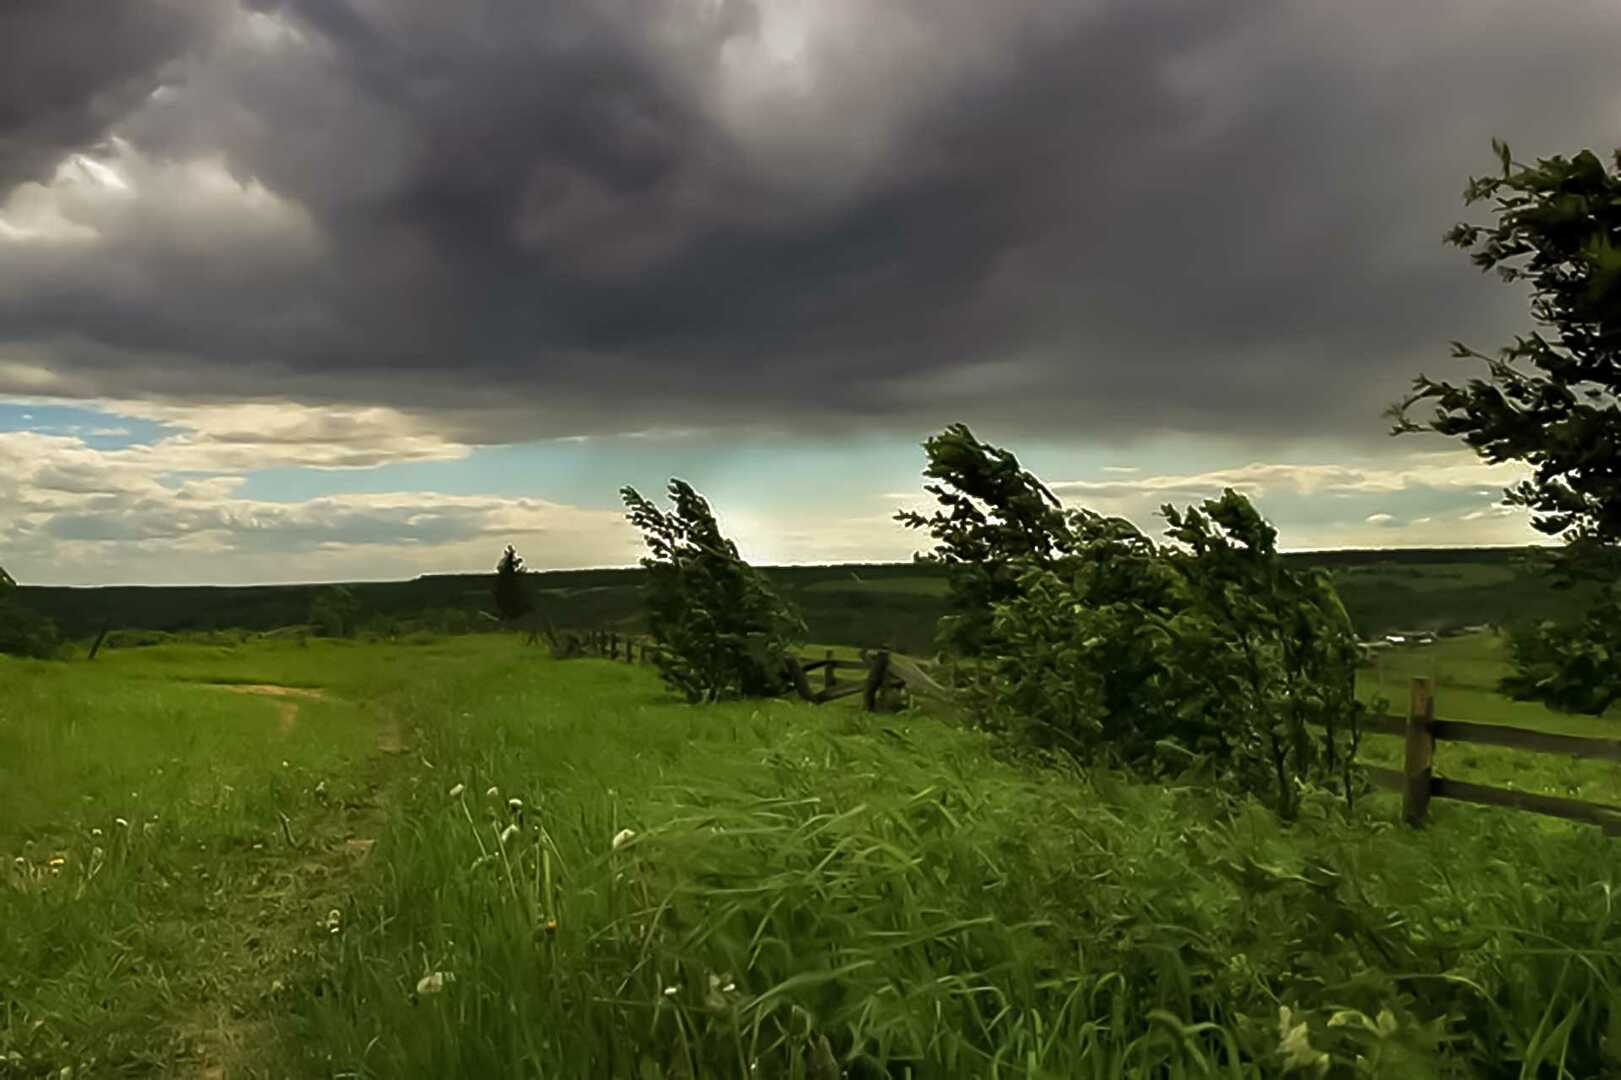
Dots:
pixel 511 591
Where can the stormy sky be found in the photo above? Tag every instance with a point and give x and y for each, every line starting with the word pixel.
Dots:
pixel 326 289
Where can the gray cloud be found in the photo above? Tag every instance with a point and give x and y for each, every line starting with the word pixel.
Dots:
pixel 1102 220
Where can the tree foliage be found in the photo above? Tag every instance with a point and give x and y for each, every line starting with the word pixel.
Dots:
pixel 719 627
pixel 1093 639
pixel 23 631
pixel 995 521
pixel 1551 401
pixel 511 589
pixel 334 611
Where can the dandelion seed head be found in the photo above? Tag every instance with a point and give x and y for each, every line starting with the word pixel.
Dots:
pixel 95 831
pixel 493 793
pixel 456 792
pixel 508 833
pixel 434 983
pixel 514 805
pixel 669 991
pixel 623 837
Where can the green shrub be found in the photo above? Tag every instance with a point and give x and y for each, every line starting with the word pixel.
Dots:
pixel 1094 640
pixel 719 627
pixel 25 632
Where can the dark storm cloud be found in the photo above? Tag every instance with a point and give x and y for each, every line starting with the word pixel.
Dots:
pixel 538 219
pixel 69 68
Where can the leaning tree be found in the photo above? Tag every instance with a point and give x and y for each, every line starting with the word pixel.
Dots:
pixel 1551 401
pixel 719 627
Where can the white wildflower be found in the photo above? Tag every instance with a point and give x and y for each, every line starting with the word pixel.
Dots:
pixel 334 921
pixel 456 792
pixel 95 832
pixel 623 837
pixel 432 984
pixel 514 805
pixel 508 833
pixel 669 991
pixel 493 793
pixel 320 789
pixel 1294 1043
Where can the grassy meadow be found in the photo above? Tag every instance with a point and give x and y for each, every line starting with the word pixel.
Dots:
pixel 272 859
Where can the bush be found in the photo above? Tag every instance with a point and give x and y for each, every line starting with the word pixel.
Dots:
pixel 1097 641
pixel 719 627
pixel 25 632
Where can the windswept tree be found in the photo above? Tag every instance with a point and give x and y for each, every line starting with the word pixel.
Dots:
pixel 1551 401
pixel 1092 639
pixel 720 628
pixel 996 521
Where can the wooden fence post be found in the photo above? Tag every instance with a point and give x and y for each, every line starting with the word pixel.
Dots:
pixel 1417 769
pixel 875 679
pixel 107 625
pixel 827 672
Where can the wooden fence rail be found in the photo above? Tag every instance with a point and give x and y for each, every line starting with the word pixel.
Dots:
pixel 881 670
pixel 874 668
pixel 1418 784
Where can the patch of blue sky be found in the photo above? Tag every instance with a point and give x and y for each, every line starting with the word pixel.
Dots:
pixel 761 473
pixel 764 474
pixel 97 428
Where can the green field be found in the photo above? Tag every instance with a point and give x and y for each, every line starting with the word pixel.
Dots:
pixel 295 891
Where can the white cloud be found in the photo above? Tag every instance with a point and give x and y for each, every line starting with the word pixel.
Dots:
pixel 172 510
pixel 1448 469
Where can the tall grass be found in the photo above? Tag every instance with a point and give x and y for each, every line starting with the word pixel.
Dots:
pixel 809 893
pixel 795 892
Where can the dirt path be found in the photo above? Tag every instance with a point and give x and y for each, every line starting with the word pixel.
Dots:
pixel 270 948
pixel 272 690
pixel 287 715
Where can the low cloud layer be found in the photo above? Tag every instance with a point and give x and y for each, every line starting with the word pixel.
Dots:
pixel 536 220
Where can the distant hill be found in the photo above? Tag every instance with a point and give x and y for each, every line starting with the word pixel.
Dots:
pixel 859 604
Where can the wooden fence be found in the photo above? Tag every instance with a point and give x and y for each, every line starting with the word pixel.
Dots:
pixel 1416 782
pixel 879 670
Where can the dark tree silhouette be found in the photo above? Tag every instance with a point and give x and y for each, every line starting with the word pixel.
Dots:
pixel 511 591
pixel 1552 401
